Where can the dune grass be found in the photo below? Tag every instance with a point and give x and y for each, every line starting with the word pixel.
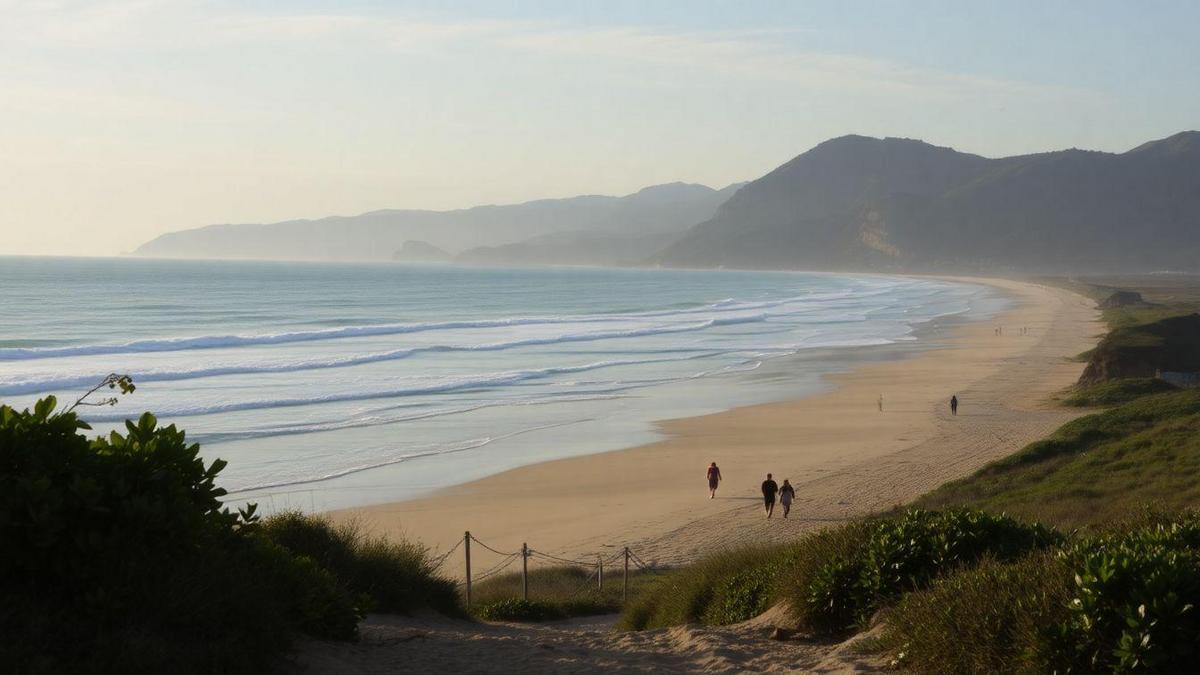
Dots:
pixel 721 588
pixel 1115 392
pixel 836 579
pixel 555 592
pixel 385 575
pixel 1097 469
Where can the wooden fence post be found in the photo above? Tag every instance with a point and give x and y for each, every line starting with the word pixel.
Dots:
pixel 525 571
pixel 625 578
pixel 467 549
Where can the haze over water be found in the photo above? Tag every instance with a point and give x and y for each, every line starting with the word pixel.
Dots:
pixel 353 384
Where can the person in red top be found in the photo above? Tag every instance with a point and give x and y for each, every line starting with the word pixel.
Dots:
pixel 714 479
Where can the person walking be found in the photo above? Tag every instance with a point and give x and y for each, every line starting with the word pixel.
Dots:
pixel 714 480
pixel 787 493
pixel 954 405
pixel 769 488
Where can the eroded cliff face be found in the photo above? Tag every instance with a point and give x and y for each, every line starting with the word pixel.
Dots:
pixel 1168 345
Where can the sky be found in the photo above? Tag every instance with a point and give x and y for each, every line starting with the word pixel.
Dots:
pixel 124 119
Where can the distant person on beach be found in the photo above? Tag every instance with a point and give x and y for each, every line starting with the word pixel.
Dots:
pixel 769 488
pixel 954 405
pixel 714 479
pixel 786 494
pixel 880 409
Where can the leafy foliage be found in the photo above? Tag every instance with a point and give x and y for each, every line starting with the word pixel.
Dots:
pixel 119 556
pixel 907 552
pixel 1135 599
pixel 517 609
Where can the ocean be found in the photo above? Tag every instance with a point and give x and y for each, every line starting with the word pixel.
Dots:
pixel 333 385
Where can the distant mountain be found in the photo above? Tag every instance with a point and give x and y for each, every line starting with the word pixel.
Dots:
pixel 416 251
pixel 897 204
pixel 572 248
pixel 379 234
pixel 639 226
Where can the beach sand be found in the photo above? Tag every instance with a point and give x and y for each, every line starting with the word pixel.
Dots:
pixel 844 456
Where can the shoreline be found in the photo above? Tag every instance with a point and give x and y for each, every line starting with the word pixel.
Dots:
pixel 652 496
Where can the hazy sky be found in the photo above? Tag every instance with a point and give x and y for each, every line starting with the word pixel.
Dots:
pixel 121 120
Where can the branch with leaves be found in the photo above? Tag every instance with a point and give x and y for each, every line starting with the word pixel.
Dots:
pixel 112 382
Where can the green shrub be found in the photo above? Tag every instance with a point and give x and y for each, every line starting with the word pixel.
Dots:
pixel 570 590
pixel 392 576
pixel 119 556
pixel 516 609
pixel 1117 602
pixel 1134 601
pixel 902 553
pixel 723 588
pixel 993 618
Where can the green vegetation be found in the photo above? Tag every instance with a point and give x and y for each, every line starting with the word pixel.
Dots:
pixel 555 592
pixel 120 557
pixel 992 618
pixel 723 588
pixel 1115 392
pixel 385 576
pixel 836 579
pixel 972 590
pixel 1121 601
pixel 1096 469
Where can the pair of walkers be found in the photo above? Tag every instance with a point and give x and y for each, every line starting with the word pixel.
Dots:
pixel 786 493
pixel 770 489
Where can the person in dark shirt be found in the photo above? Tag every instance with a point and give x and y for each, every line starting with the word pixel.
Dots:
pixel 714 480
pixel 954 405
pixel 769 488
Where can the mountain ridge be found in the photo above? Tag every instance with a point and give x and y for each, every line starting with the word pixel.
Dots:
pixel 892 204
pixel 381 233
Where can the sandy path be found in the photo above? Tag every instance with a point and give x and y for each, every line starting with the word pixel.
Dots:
pixel 844 456
pixel 427 644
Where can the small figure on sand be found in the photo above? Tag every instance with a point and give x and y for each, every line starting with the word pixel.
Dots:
pixel 880 407
pixel 954 405
pixel 714 479
pixel 769 488
pixel 786 494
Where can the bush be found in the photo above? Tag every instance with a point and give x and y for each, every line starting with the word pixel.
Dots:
pixel 993 618
pixel 569 591
pixel 119 556
pixel 902 553
pixel 1135 599
pixel 1117 602
pixel 516 609
pixel 722 588
pixel 391 576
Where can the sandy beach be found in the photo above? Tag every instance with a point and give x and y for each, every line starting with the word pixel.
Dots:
pixel 845 457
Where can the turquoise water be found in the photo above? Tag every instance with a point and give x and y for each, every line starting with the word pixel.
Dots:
pixel 327 385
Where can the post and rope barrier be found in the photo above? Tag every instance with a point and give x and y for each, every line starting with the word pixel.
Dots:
pixel 470 576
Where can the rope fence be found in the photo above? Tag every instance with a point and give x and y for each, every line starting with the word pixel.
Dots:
pixel 624 556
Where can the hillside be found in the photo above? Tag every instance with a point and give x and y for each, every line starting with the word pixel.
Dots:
pixel 905 205
pixel 379 234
